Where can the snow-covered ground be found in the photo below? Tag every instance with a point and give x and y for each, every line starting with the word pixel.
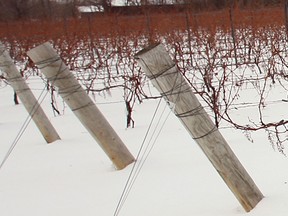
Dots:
pixel 73 176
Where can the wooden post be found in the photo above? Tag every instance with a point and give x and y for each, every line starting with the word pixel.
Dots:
pixel 159 67
pixel 51 65
pixel 26 96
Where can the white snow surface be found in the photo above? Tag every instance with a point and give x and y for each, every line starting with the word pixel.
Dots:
pixel 118 2
pixel 73 176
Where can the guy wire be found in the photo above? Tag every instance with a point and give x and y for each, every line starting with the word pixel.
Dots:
pixel 138 165
pixel 24 127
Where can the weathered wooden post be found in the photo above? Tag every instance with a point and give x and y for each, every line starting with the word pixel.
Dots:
pixel 159 67
pixel 26 96
pixel 51 65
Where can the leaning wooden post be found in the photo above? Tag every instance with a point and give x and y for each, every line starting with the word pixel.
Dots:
pixel 51 65
pixel 159 67
pixel 26 96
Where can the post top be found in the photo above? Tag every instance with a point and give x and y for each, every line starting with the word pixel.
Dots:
pixel 146 49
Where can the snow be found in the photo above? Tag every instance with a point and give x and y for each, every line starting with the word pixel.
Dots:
pixel 124 2
pixel 73 176
pixel 118 2
pixel 90 9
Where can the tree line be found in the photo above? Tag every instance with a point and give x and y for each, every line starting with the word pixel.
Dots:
pixel 35 9
pixel 51 9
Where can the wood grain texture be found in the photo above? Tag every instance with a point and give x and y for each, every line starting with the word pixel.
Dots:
pixel 26 96
pixel 46 58
pixel 159 67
